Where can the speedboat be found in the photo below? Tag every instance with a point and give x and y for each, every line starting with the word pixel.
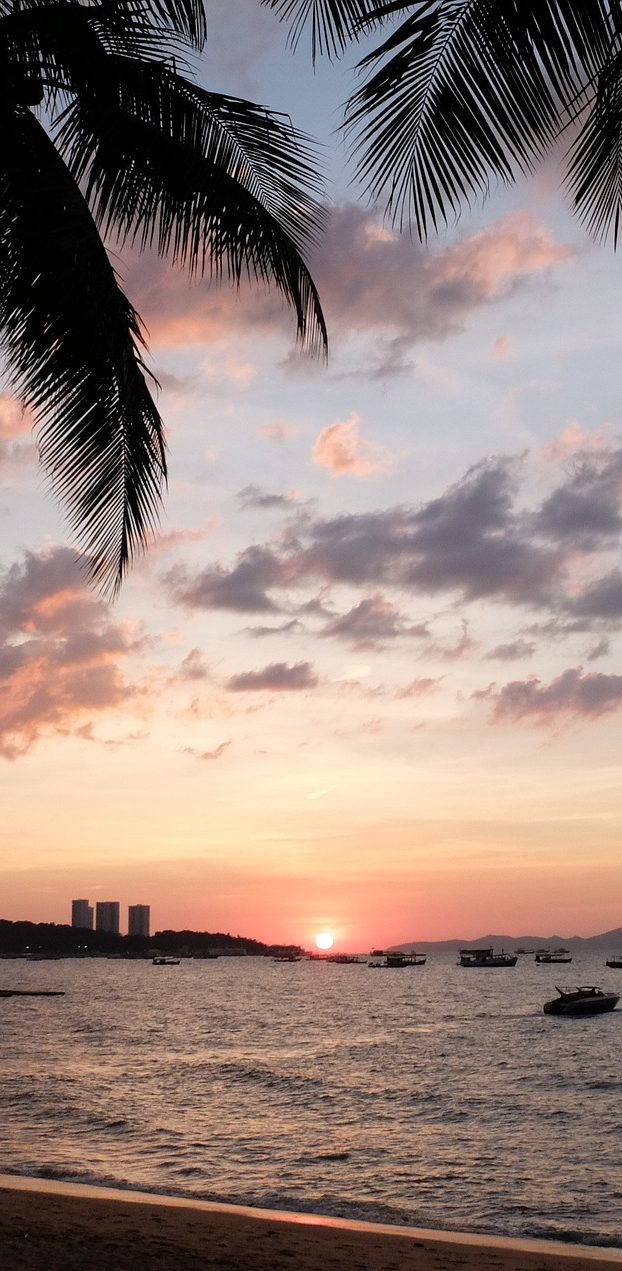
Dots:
pixel 486 958
pixel 587 1000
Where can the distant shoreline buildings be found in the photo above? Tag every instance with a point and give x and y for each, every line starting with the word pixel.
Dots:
pixel 107 917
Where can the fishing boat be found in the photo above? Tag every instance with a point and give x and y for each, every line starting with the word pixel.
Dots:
pixel 554 955
pixel 486 958
pixel 587 1000
pixel 395 960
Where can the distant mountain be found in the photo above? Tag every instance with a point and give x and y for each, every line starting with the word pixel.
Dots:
pixel 609 940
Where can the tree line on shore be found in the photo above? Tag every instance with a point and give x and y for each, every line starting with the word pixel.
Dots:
pixel 49 938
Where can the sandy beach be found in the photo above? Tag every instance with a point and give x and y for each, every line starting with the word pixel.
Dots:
pixel 66 1227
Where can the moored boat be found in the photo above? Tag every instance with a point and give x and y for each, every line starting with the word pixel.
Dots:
pixel 615 962
pixel 395 960
pixel 166 962
pixel 585 1000
pixel 553 955
pixel 486 958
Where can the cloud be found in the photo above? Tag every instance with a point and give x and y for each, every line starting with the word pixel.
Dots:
pixel 208 754
pixel 252 496
pixel 242 589
pixel 421 687
pixel 16 422
pixel 586 508
pixel 500 348
pixel 371 623
pixel 60 652
pixel 370 280
pixel 601 599
pixel 291 627
pixel 477 540
pixel 278 676
pixel 512 652
pixel 193 667
pixel 573 695
pixel 277 432
pixel 341 450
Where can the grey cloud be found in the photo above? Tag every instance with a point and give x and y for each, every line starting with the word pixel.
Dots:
pixel 372 622
pixel 514 651
pixel 574 694
pixel 586 508
pixel 285 628
pixel 603 599
pixel 598 650
pixel 252 496
pixel 477 540
pixel 278 676
pixel 242 589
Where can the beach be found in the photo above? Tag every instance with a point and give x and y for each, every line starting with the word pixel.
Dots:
pixel 52 1226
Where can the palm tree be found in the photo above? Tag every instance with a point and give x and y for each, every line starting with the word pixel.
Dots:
pixel 459 94
pixel 104 132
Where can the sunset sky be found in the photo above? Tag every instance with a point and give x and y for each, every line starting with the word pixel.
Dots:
pixel 368 678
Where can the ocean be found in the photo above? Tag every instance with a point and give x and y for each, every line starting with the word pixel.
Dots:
pixel 434 1096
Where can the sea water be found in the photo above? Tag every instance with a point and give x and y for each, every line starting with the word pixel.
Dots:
pixel 435 1096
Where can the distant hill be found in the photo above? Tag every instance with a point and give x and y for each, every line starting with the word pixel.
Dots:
pixel 609 940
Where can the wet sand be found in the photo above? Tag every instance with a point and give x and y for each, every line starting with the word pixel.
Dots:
pixel 66 1227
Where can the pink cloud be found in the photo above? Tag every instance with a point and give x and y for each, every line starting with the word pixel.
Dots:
pixel 500 348
pixel 370 280
pixel 342 450
pixel 277 432
pixel 573 440
pixel 60 652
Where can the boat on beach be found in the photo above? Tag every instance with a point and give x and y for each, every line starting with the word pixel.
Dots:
pixel 486 958
pixel 586 1000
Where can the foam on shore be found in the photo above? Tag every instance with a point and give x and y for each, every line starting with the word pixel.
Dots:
pixel 65 1226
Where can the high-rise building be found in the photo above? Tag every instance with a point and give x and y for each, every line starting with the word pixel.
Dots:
pixel 81 914
pixel 107 916
pixel 138 920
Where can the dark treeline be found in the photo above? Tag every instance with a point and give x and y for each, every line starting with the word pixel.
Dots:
pixel 50 937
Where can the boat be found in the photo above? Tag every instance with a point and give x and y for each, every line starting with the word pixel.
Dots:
pixel 486 958
pixel 405 959
pixel 615 962
pixel 288 957
pixel 555 955
pixel 586 1000
pixel 166 961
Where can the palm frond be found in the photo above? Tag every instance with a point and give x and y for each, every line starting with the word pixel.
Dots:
pixel 71 340
pixel 595 167
pixel 218 184
pixel 469 91
pixel 333 23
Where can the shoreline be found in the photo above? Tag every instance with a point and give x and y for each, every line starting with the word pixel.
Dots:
pixel 69 1226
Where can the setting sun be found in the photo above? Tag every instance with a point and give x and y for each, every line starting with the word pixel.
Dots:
pixel 325 940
